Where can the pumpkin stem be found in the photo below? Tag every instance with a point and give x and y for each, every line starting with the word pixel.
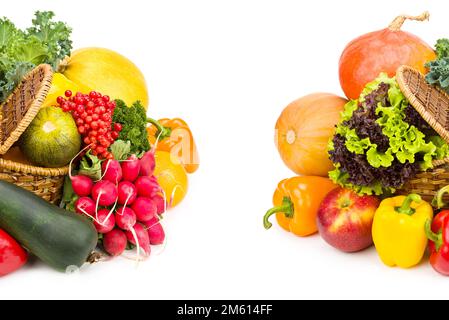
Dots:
pixel 399 21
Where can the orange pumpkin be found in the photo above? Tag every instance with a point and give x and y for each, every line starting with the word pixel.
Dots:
pixel 385 50
pixel 303 131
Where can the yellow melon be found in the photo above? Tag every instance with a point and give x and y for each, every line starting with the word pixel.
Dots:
pixel 107 72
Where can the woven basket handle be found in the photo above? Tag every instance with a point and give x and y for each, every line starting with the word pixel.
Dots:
pixel 8 177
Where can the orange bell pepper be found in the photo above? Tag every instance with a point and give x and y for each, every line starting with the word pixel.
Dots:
pixel 174 136
pixel 296 203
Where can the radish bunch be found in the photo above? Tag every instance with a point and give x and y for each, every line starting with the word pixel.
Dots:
pixel 124 205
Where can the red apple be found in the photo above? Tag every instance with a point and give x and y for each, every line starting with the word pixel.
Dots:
pixel 345 220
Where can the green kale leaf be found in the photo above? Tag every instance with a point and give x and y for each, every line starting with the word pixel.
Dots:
pixel 46 41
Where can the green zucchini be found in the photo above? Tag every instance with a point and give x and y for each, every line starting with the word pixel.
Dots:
pixel 58 237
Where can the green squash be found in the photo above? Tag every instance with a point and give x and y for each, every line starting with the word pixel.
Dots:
pixel 60 238
pixel 52 139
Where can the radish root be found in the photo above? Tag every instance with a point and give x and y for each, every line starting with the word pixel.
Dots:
pixel 105 170
pixel 164 245
pixel 109 214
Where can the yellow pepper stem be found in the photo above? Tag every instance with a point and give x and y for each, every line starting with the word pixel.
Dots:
pixel 438 200
pixel 286 208
pixel 405 208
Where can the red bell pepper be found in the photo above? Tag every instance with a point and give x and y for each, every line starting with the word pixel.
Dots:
pixel 12 255
pixel 438 234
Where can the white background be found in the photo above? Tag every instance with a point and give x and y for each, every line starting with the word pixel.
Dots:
pixel 229 68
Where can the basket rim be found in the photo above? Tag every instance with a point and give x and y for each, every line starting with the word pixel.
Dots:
pixel 33 109
pixel 416 104
pixel 439 163
pixel 34 170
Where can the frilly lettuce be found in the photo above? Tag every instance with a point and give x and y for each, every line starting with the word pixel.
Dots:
pixel 407 144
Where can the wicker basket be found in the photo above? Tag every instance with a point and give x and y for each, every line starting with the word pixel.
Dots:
pixel 432 104
pixel 16 113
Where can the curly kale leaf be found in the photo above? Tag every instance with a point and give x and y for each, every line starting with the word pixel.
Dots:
pixel 46 41
pixel 439 69
pixel 12 77
pixel 8 33
pixel 55 36
pixel 439 73
pixel 442 48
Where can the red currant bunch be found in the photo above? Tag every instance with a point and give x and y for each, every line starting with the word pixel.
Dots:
pixel 93 117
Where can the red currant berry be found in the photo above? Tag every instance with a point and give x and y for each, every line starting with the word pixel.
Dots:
pixel 100 149
pixel 105 154
pixel 79 122
pixel 90 105
pixel 95 117
pixel 105 143
pixel 86 140
pixel 60 100
pixel 78 100
pixel 94 125
pixel 81 130
pixel 114 135
pixel 118 127
pixel 80 108
pixel 88 119
pixel 100 123
pixel 68 93
pixel 83 115
pixel 92 94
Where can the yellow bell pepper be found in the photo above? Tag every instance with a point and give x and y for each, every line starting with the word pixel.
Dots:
pixel 399 230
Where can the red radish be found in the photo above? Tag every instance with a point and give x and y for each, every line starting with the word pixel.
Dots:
pixel 114 242
pixel 85 205
pixel 147 164
pixel 82 185
pixel 160 204
pixel 105 221
pixel 125 218
pixel 127 193
pixel 104 193
pixel 147 186
pixel 131 168
pixel 155 230
pixel 142 238
pixel 112 171
pixel 144 208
